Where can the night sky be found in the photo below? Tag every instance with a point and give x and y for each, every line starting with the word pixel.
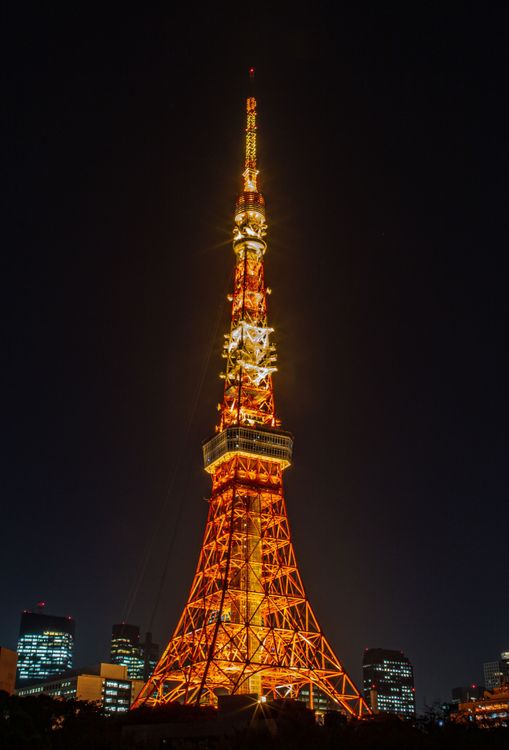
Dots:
pixel 383 153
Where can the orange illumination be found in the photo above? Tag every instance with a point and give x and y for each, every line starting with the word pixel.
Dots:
pixel 248 626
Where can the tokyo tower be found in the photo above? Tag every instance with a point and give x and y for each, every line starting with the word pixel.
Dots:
pixel 248 626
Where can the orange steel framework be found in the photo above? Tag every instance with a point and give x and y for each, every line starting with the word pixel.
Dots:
pixel 248 626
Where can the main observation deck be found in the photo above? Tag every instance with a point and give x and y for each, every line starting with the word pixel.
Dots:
pixel 255 442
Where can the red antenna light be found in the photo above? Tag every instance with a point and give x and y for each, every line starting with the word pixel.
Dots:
pixel 41 605
pixel 251 74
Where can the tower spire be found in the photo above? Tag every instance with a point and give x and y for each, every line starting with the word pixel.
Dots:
pixel 250 355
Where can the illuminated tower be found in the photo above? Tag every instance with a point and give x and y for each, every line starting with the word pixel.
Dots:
pixel 247 626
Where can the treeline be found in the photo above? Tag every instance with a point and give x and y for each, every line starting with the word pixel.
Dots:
pixel 44 723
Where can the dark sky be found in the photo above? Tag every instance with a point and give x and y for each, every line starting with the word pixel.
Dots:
pixel 383 150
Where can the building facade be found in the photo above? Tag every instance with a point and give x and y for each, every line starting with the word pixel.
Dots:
pixel 127 650
pixel 488 712
pixel 317 700
pixel 8 662
pixel 45 646
pixel 150 651
pixel 388 682
pixel 467 693
pixel 496 673
pixel 107 685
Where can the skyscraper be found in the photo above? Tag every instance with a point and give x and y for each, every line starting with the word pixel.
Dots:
pixel 496 673
pixel 388 681
pixel 150 652
pixel 45 646
pixel 126 649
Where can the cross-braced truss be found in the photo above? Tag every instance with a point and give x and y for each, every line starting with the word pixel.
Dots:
pixel 247 626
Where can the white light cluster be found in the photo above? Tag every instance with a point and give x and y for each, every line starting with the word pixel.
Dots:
pixel 248 347
pixel 41 655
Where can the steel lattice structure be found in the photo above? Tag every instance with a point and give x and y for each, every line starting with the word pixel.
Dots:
pixel 247 626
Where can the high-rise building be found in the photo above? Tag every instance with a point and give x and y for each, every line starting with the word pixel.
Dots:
pixel 248 627
pixel 150 651
pixel 106 685
pixel 496 673
pixel 45 646
pixel 388 682
pixel 126 649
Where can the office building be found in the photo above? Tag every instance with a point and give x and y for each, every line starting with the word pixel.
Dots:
pixel 150 651
pixel 8 661
pixel 388 682
pixel 107 685
pixel 317 700
pixel 496 673
pixel 126 649
pixel 45 646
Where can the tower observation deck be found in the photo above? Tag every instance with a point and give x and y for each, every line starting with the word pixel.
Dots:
pixel 247 626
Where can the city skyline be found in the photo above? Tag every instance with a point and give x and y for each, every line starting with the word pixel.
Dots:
pixel 381 158
pixel 122 633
